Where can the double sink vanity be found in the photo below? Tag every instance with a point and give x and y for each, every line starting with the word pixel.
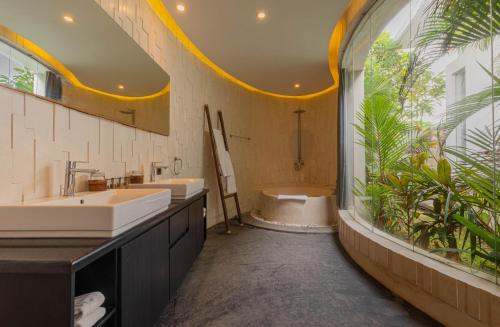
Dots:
pixel 134 245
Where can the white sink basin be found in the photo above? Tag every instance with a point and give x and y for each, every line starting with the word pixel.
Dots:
pixel 182 188
pixel 91 214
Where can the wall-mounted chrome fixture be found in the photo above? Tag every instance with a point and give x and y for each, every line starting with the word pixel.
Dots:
pixel 299 162
pixel 156 169
pixel 240 137
pixel 130 112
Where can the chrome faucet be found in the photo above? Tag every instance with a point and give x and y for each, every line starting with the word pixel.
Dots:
pixel 69 176
pixel 154 166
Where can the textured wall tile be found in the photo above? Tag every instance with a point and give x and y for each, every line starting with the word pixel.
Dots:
pixel 364 245
pixel 484 307
pixel 427 279
pixel 472 302
pixel 39 116
pixel 379 254
pixel 5 121
pixel 49 169
pixel 495 311
pixel 447 290
pixel 409 270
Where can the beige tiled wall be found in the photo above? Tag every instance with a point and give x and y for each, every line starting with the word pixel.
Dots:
pixel 37 137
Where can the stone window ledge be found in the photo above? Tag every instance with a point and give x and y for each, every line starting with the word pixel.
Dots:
pixel 431 283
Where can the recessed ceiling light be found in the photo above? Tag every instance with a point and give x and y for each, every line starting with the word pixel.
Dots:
pixel 296 85
pixel 261 15
pixel 180 7
pixel 121 87
pixel 68 19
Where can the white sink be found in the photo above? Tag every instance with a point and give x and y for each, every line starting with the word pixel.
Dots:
pixel 182 188
pixel 91 214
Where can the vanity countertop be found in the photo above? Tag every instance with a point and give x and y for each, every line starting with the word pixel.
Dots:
pixel 61 255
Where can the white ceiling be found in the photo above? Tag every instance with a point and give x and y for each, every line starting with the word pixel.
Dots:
pixel 94 48
pixel 290 46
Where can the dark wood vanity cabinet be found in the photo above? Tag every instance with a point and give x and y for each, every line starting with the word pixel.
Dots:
pixel 136 283
pixel 154 264
pixel 138 271
pixel 160 269
pixel 186 248
pixel 144 285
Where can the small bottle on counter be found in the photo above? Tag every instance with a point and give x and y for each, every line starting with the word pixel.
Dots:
pixel 97 182
pixel 136 177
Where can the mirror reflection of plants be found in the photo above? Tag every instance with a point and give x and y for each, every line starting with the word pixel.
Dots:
pixel 23 79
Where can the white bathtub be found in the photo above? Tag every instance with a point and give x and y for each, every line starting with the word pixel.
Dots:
pixel 314 206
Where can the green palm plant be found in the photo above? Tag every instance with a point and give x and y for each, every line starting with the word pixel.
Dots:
pixel 453 25
pixel 456 24
pixel 384 136
pixel 478 169
pixel 436 202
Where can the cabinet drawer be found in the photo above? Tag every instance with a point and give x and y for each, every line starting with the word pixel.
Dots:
pixel 181 258
pixel 135 285
pixel 197 225
pixel 179 225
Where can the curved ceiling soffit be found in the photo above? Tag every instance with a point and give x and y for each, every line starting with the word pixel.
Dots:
pixel 333 51
pixel 69 75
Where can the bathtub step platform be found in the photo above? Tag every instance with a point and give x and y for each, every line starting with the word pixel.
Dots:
pixel 254 221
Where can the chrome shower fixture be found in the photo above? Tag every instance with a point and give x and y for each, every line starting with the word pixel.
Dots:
pixel 299 162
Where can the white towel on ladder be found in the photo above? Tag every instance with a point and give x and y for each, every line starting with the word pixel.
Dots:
pixel 226 165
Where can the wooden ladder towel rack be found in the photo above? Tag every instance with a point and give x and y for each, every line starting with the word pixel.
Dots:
pixel 218 171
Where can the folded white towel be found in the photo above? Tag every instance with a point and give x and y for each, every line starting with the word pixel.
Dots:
pixel 86 303
pixel 223 154
pixel 226 165
pixel 230 184
pixel 91 318
pixel 292 197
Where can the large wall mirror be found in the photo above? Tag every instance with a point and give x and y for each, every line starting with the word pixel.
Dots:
pixel 73 53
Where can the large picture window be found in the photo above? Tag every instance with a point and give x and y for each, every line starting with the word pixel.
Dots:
pixel 420 124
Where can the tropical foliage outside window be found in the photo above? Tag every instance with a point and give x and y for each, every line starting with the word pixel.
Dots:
pixel 424 159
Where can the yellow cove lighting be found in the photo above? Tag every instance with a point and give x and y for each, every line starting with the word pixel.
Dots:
pixel 58 66
pixel 167 19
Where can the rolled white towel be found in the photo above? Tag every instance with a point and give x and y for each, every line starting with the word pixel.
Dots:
pixel 91 318
pixel 292 197
pixel 86 303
